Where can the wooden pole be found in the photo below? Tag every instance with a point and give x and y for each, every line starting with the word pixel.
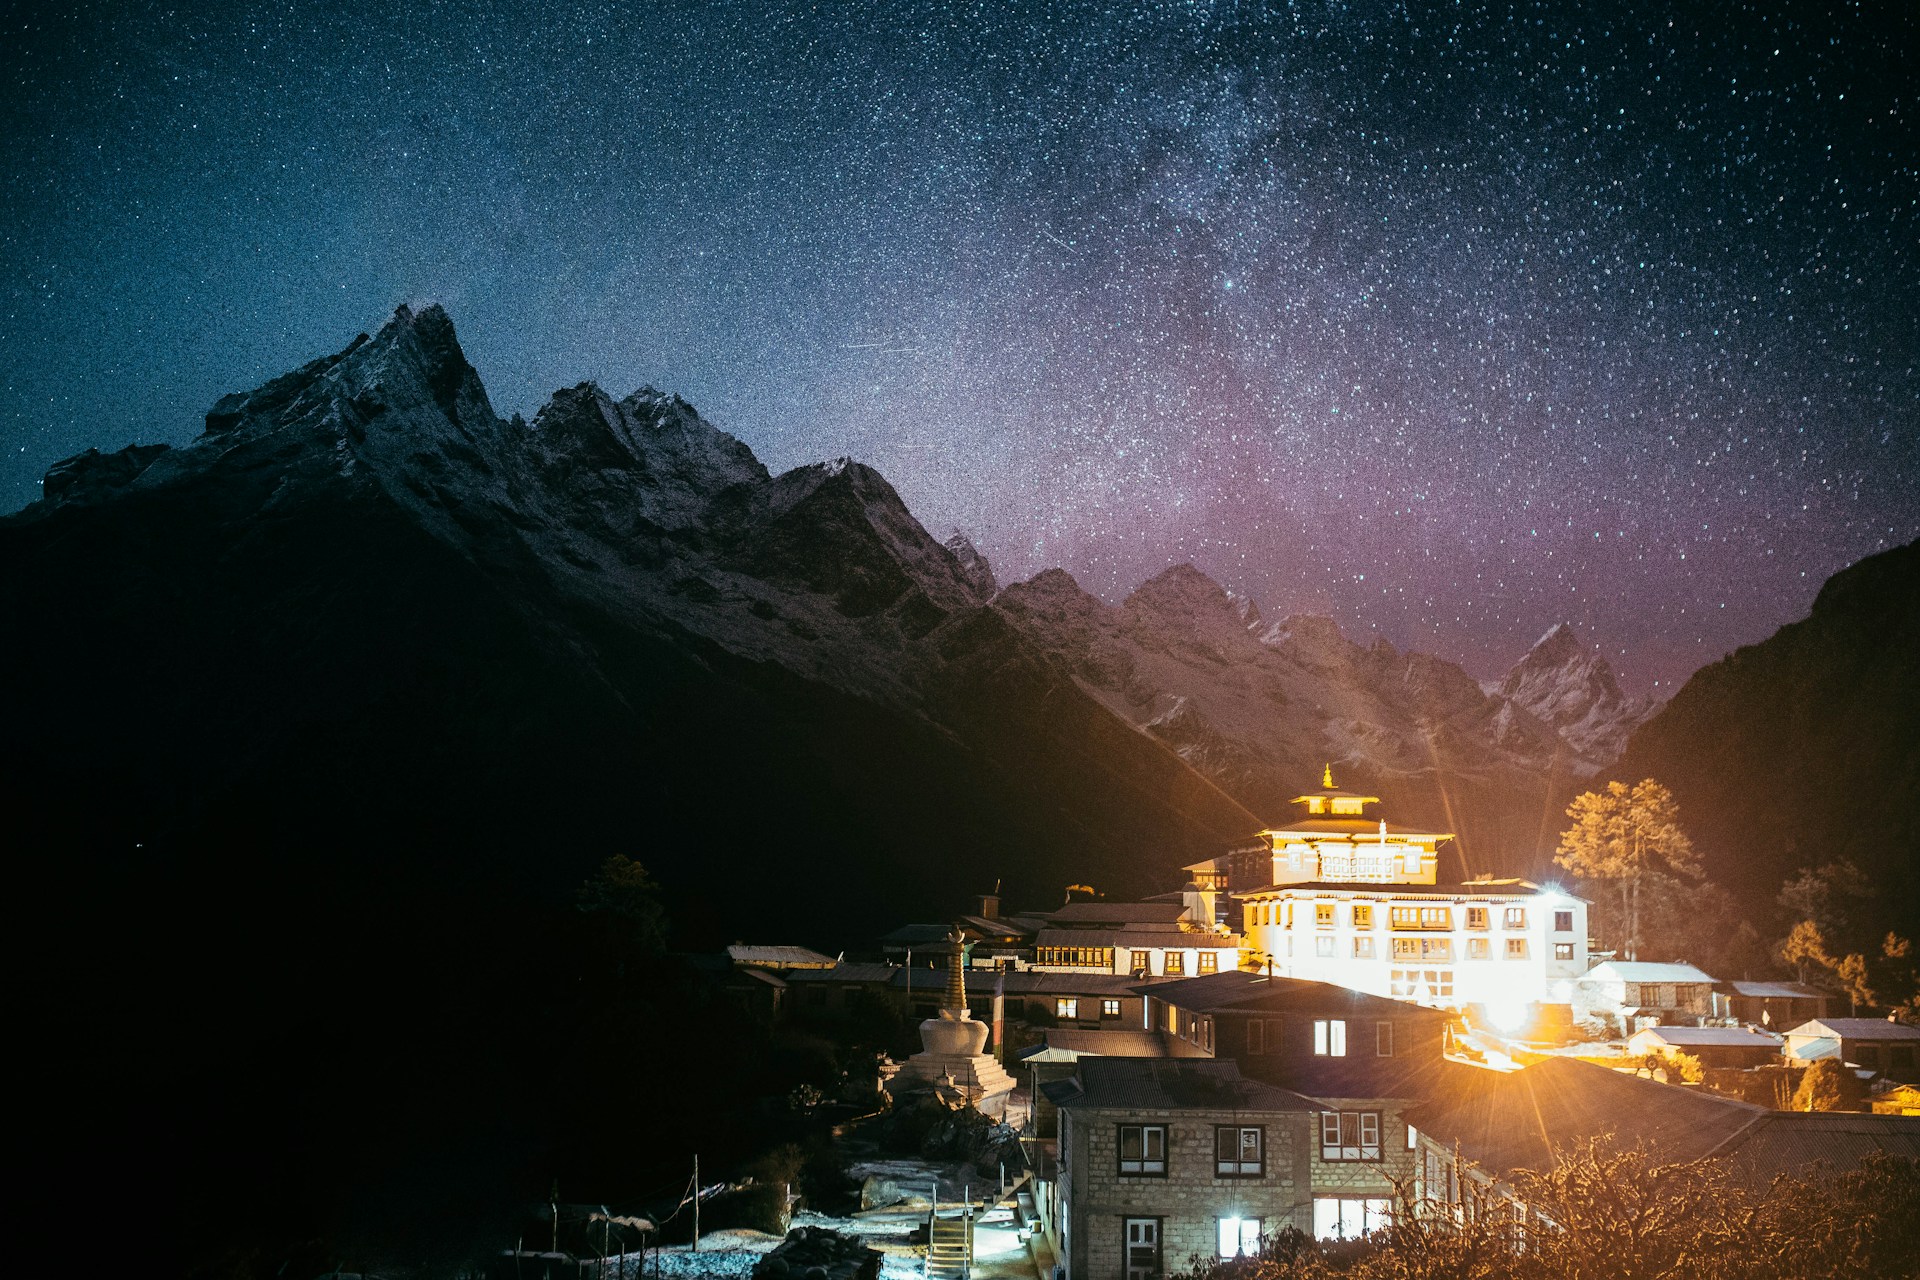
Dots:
pixel 696 1202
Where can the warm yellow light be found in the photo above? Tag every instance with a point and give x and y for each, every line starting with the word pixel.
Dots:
pixel 1507 1013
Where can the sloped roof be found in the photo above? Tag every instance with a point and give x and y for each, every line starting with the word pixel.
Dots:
pixel 847 972
pixel 1173 1084
pixel 1065 1044
pixel 1351 827
pixel 1255 993
pixel 778 957
pixel 1117 913
pixel 1857 1029
pixel 1643 971
pixel 1488 889
pixel 1175 938
pixel 981 983
pixel 1771 990
pixel 1515 1121
pixel 1717 1037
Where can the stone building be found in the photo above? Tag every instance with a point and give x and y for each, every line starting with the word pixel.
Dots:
pixel 1162 1160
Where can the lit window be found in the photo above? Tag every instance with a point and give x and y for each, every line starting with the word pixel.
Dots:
pixel 1563 951
pixel 1413 1138
pixel 1329 1038
pixel 1143 1148
pixel 1323 914
pixel 1237 1151
pixel 1342 1218
pixel 1383 1039
pixel 1422 984
pixel 1323 947
pixel 1563 922
pixel 1066 1007
pixel 1176 962
pixel 1363 915
pixel 1516 918
pixel 1349 1135
pixel 1209 962
pixel 1363 948
pixel 1516 948
pixel 1109 1008
pixel 1478 949
pixel 1239 1237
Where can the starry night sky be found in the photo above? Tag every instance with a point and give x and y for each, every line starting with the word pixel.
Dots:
pixel 1450 320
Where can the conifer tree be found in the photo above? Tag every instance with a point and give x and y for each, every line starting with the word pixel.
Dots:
pixel 1623 839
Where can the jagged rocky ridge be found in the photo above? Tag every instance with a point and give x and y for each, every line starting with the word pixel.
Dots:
pixel 1260 706
pixel 364 598
pixel 605 525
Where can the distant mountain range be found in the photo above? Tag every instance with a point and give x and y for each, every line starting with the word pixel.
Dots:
pixel 362 602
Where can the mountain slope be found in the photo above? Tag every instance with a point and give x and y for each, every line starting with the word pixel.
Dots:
pixel 1260 707
pixel 315 724
pixel 1805 748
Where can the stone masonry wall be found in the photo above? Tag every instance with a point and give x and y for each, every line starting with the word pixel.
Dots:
pixel 1191 1198
pixel 1365 1177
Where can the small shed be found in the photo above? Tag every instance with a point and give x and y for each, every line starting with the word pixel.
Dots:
pixel 1739 1047
pixel 1874 1043
pixel 1773 1005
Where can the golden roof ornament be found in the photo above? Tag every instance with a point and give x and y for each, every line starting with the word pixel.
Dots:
pixel 1326 777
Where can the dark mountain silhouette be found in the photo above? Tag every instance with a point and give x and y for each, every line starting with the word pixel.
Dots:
pixel 1805 748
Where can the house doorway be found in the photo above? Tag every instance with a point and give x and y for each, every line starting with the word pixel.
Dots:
pixel 1143 1249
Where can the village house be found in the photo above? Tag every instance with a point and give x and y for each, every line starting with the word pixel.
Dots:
pixel 1339 897
pixel 1162 1160
pixel 1773 1005
pixel 1311 1036
pixel 1140 939
pixel 1873 1043
pixel 1502 1123
pixel 1641 993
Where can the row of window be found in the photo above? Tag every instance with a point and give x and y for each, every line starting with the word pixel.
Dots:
pixel 1329 1038
pixel 1360 916
pixel 1069 1007
pixel 1334 1218
pixel 1102 958
pixel 1239 1150
pixel 1434 950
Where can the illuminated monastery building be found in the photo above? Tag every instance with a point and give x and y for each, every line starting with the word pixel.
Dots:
pixel 1350 899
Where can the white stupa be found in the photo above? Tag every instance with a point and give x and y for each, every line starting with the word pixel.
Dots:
pixel 952 1058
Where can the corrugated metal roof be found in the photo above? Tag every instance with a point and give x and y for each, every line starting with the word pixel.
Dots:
pixel 1176 1084
pixel 1643 971
pixel 1515 1121
pixel 849 972
pixel 1772 990
pixel 1117 913
pixel 1175 938
pixel 1253 992
pixel 1720 1037
pixel 777 957
pixel 1858 1029
pixel 1067 1044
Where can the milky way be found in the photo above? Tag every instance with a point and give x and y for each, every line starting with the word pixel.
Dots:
pixel 1452 321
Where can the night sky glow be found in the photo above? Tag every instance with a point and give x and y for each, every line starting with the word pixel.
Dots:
pixel 1450 320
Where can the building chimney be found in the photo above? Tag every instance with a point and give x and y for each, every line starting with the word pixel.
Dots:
pixel 990 906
